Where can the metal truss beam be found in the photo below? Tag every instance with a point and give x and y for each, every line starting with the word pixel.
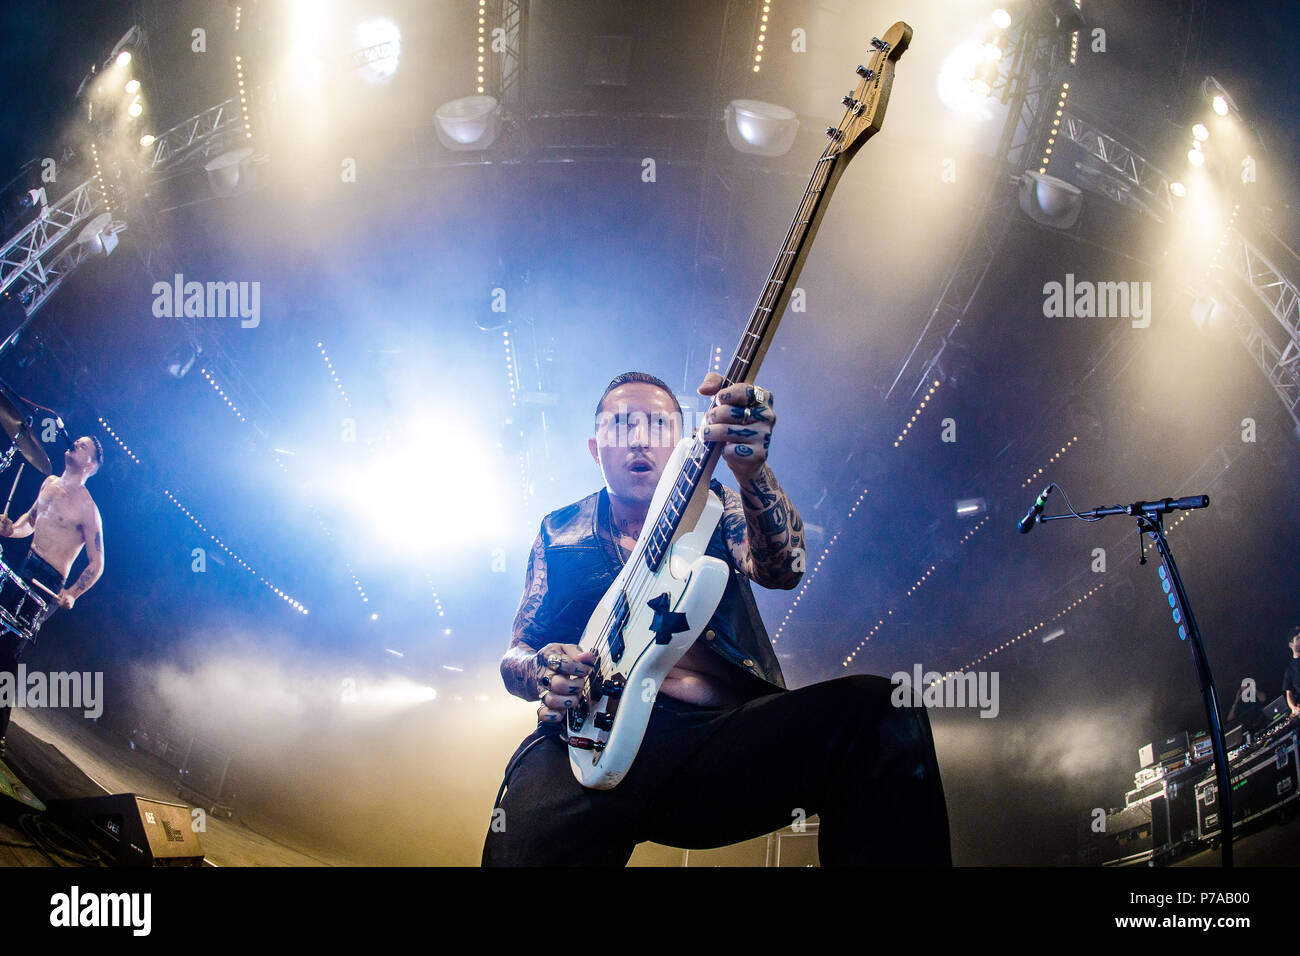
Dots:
pixel 1137 181
pixel 1035 64
pixel 201 135
pixel 31 252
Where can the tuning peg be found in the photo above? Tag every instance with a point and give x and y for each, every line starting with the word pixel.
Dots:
pixel 849 100
pixel 879 44
pixel 834 133
pixel 865 73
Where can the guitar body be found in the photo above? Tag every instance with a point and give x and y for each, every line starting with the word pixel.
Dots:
pixel 624 696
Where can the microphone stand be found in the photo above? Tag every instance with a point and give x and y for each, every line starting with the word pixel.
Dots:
pixel 1150 520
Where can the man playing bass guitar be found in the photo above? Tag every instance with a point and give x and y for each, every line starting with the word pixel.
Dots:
pixel 729 753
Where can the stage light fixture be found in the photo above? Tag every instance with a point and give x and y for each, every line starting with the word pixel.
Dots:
pixel 1220 101
pixel 123 58
pixel 1201 132
pixel 970 507
pixel 467 123
pixel 147 140
pixel 99 236
pixel 764 129
pixel 1001 19
pixel 133 86
pixel 1195 156
pixel 1050 201
pixel 231 171
pixel 1178 189
pixel 136 107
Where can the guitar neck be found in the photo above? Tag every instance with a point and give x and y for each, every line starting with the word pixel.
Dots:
pixel 774 298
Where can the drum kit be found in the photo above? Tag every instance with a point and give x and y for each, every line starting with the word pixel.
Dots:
pixel 22 609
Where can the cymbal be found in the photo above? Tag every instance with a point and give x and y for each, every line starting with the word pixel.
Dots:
pixel 14 423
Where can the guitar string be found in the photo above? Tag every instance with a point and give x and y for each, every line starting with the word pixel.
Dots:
pixel 641 577
pixel 763 313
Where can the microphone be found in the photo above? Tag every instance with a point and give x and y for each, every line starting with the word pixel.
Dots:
pixel 1031 516
pixel 67 439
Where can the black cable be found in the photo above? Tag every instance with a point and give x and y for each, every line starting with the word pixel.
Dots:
pixel 514 762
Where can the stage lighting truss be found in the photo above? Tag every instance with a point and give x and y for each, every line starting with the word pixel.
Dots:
pixel 39 254
pixel 214 130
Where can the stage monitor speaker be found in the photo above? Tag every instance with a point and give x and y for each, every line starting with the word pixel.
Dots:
pixel 133 830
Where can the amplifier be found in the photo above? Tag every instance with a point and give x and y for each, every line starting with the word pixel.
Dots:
pixel 1262 781
pixel 1172 749
pixel 132 830
pixel 1202 746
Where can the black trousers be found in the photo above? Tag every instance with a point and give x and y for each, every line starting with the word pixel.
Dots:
pixel 712 777
pixel 34 567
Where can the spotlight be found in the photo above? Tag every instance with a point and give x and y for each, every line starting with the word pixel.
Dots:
pixel 133 86
pixel 970 507
pixel 1178 189
pixel 147 140
pixel 992 51
pixel 1050 201
pixel 1001 19
pixel 99 236
pixel 123 58
pixel 1201 132
pixel 378 46
pixel 467 123
pixel 136 107
pixel 1195 156
pixel 761 128
pixel 1220 101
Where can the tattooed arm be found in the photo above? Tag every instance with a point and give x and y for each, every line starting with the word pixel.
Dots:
pixel 764 532
pixel 523 668
pixel 519 668
pixel 92 533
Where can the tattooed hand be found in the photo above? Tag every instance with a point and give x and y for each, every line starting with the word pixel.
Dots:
pixel 742 419
pixel 558 687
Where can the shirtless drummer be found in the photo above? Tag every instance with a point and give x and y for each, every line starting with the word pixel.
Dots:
pixel 63 519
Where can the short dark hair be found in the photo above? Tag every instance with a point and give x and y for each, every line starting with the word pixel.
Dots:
pixel 1291 634
pixel 99 450
pixel 643 378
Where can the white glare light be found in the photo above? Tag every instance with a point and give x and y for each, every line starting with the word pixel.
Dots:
pixel 133 86
pixel 1201 132
pixel 1001 19
pixel 124 58
pixel 136 108
pixel 957 91
pixel 377 46
pixel 1220 105
pixel 1178 189
pixel 147 140
pixel 1195 157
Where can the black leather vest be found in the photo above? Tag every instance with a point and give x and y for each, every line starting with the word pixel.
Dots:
pixel 583 559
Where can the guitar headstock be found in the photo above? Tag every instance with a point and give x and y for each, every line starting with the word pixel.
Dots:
pixel 866 105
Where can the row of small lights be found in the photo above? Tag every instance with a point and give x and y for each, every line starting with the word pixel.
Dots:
pixel 239 11
pixel 1074 38
pixel 1037 627
pixel 1223 240
pixel 762 37
pixel 220 391
pixel 803 588
pixel 117 438
pixel 333 374
pixel 510 367
pixel 482 31
pixel 1039 473
pixel 1056 123
pixel 881 623
pixel 243 97
pixel 916 412
pixel 296 605
pixel 357 582
pixel 99 176
pixel 437 601
pixel 717 359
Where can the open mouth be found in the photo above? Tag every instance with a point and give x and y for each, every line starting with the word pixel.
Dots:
pixel 640 467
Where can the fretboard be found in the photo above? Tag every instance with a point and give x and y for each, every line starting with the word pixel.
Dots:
pixel 698 466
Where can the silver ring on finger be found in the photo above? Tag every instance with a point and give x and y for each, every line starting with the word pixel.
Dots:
pixel 749 416
pixel 761 395
pixel 554 662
